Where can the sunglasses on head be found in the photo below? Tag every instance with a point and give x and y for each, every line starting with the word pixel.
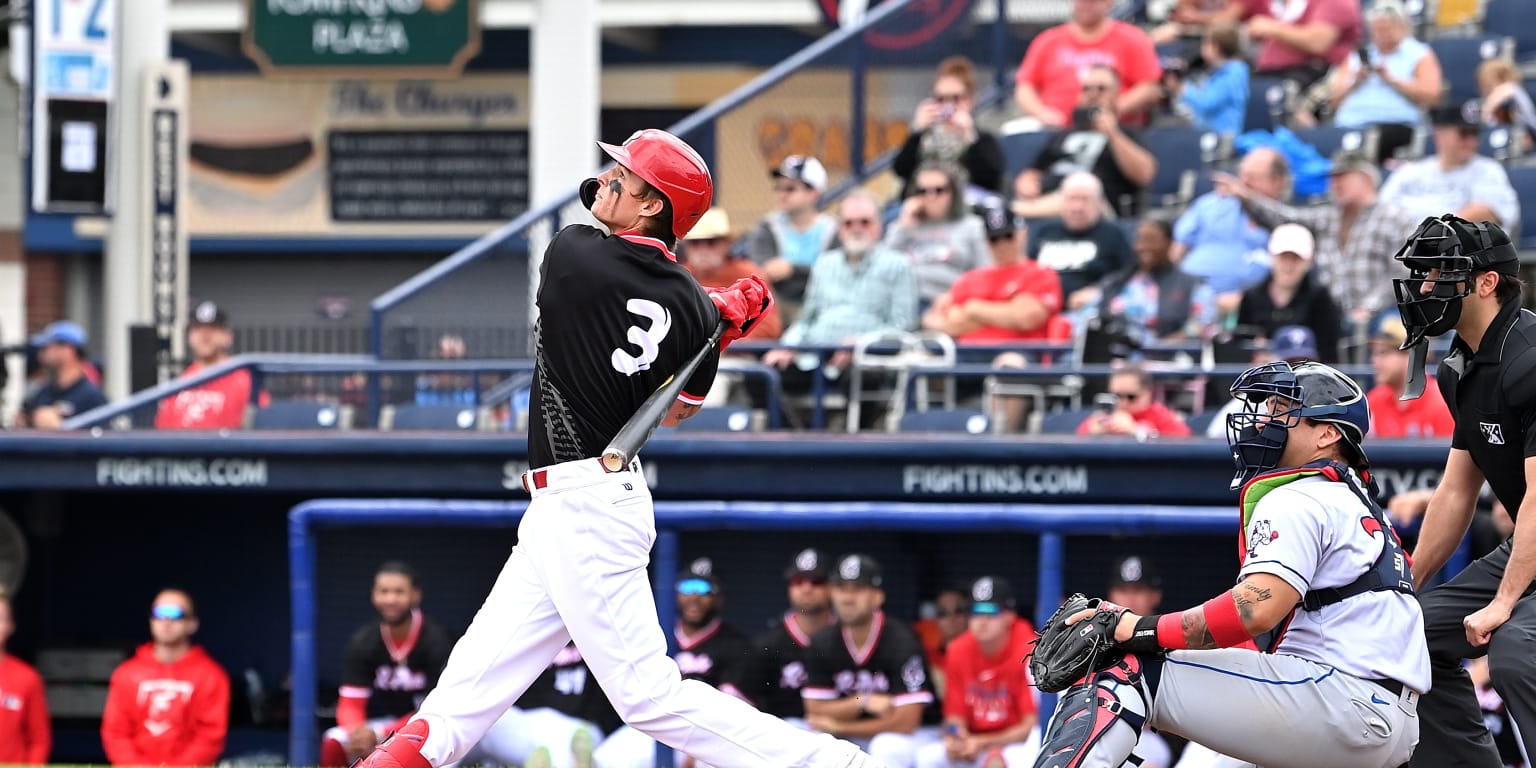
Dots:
pixel 932 191
pixel 695 587
pixel 168 612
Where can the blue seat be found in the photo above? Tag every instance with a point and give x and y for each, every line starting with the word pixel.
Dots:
pixel 1021 149
pixel 1513 17
pixel 1064 421
pixel 1179 152
pixel 297 414
pixel 1268 98
pixel 1499 142
pixel 1460 57
pixel 1523 179
pixel 434 416
pixel 1201 421
pixel 1329 139
pixel 722 418
pixel 970 421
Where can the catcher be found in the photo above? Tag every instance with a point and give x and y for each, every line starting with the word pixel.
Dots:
pixel 1324 587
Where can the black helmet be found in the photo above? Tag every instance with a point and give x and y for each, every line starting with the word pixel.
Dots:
pixel 1457 248
pixel 1257 434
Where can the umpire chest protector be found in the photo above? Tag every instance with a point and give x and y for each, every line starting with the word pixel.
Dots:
pixel 1392 569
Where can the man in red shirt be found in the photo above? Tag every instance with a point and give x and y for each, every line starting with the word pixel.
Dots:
pixel 1048 81
pixel 25 736
pixel 217 404
pixel 989 707
pixel 1301 38
pixel 1012 300
pixel 1135 412
pixel 1426 416
pixel 169 703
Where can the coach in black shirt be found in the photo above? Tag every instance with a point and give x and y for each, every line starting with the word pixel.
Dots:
pixel 1463 277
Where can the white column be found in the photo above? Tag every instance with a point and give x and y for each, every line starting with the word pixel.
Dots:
pixel 143 36
pixel 564 90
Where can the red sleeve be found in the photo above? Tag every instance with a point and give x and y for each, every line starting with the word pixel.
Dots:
pixel 351 711
pixel 1082 429
pixel 39 734
pixel 955 663
pixel 1139 62
pixel 1166 422
pixel 117 723
pixel 1046 286
pixel 210 719
pixel 1034 59
pixel 163 418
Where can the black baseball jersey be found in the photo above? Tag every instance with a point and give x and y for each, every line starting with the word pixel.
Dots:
pixel 617 317
pixel 892 662
pixel 1492 397
pixel 394 678
pixel 774 669
pixel 568 687
pixel 711 654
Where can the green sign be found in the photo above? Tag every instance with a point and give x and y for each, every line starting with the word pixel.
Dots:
pixel 329 37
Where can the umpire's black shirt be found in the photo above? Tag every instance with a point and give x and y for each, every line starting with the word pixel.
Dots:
pixel 617 317
pixel 1492 396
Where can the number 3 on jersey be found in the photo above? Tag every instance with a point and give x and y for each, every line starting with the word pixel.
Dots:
pixel 647 339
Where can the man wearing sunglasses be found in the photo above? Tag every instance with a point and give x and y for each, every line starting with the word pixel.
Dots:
pixel 773 672
pixel 1129 409
pixel 169 703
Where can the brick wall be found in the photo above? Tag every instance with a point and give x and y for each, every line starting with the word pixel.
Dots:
pixel 45 290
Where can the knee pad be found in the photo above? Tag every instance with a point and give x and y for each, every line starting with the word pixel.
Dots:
pixel 1098 721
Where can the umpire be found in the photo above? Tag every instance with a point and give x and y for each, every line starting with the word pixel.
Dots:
pixel 1463 277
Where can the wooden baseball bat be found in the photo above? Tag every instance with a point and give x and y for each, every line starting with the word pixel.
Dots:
pixel 635 432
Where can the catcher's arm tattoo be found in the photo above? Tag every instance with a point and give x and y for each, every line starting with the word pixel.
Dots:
pixel 1256 605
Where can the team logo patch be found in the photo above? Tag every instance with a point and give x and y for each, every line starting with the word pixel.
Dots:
pixel 1261 534
pixel 1493 433
pixel 913 675
pixel 983 590
pixel 806 560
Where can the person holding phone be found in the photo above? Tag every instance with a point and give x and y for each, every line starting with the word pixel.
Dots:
pixel 1129 409
pixel 1388 82
pixel 944 132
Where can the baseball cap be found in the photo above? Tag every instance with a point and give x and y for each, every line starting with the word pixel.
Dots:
pixel 714 223
pixel 1346 160
pixel 60 332
pixel 1294 342
pixel 810 563
pixel 992 595
pixel 1463 116
pixel 1393 332
pixel 998 219
pixel 806 170
pixel 208 313
pixel 858 569
pixel 698 578
pixel 1132 569
pixel 1293 238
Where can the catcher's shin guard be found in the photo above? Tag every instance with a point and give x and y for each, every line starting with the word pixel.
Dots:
pixel 1099 720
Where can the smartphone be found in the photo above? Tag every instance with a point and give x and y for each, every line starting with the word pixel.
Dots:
pixel 946 111
pixel 1082 117
pixel 1105 402
pixel 1364 52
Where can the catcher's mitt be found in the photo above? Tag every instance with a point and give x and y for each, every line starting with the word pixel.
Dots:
pixel 1063 654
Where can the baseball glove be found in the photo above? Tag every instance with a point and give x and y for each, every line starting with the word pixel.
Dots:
pixel 1063 654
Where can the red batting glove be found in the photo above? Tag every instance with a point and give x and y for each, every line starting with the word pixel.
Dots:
pixel 741 305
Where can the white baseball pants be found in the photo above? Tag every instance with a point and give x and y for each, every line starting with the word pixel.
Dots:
pixel 578 572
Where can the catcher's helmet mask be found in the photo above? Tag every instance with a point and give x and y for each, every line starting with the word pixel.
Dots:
pixel 1276 397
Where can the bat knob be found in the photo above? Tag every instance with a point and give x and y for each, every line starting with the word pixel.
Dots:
pixel 614 461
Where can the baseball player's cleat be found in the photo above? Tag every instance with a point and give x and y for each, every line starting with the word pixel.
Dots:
pixel 401 750
pixel 582 744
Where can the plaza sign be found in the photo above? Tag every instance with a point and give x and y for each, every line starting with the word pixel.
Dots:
pixel 418 38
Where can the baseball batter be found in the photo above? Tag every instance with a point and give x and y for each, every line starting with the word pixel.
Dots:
pixel 617 315
pixel 1323 583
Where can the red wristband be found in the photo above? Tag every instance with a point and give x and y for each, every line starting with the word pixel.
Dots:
pixel 1170 631
pixel 1223 622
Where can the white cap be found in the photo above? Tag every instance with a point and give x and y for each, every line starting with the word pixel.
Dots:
pixel 1292 238
pixel 804 169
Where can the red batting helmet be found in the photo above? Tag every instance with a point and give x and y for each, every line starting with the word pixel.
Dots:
pixel 673 168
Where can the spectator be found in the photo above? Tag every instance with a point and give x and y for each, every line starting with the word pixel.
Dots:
pixel 216 404
pixel 1301 39
pixel 944 132
pixel 66 390
pixel 1456 179
pixel 1080 247
pixel 1135 412
pixel 1291 343
pixel 793 235
pixel 1292 296
pixel 707 651
pixel 445 388
pixel 937 232
pixel 1400 78
pixel 707 254
pixel 860 287
pixel 990 716
pixel 939 623
pixel 169 703
pixel 1046 86
pixel 555 723
pixel 867 680
pixel 1425 416
pixel 1219 102
pixel 1134 581
pixel 1216 240
pixel 389 667
pixel 1505 100
pixel 25 734
pixel 1356 234
pixel 1154 299
pixel 1095 142
pixel 774 670
pixel 1014 299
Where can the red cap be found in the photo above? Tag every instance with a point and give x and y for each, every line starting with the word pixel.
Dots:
pixel 673 168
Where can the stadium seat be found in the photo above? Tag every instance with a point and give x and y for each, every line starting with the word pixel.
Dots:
pixel 298 414
pixel 1460 57
pixel 1513 17
pixel 1269 99
pixel 1180 153
pixel 720 418
pixel 1498 142
pixel 1329 139
pixel 1201 421
pixel 1063 422
pixel 1523 179
pixel 1020 151
pixel 963 420
pixel 441 417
